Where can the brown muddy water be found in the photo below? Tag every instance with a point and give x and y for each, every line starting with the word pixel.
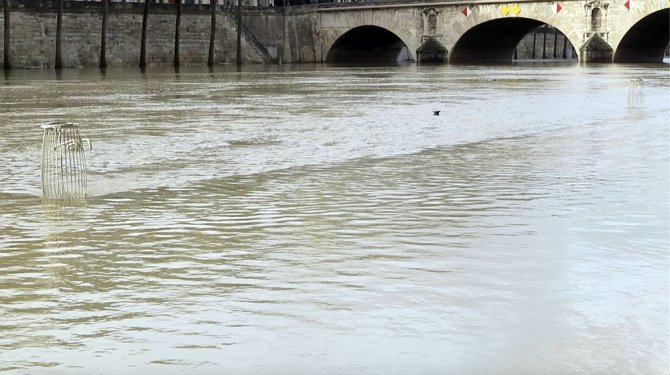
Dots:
pixel 321 220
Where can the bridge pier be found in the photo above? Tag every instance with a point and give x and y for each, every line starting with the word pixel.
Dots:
pixel 432 51
pixel 596 50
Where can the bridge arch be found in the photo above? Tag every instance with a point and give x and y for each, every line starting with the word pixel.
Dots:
pixel 646 40
pixel 368 44
pixel 489 32
pixel 494 40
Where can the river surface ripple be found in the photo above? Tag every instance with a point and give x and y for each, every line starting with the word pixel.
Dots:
pixel 321 220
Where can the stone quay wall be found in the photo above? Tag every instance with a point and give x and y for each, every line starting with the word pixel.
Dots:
pixel 33 35
pixel 288 33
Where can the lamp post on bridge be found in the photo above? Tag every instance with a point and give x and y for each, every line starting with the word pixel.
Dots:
pixel 59 33
pixel 143 42
pixel 212 33
pixel 103 35
pixel 7 65
pixel 239 32
pixel 176 34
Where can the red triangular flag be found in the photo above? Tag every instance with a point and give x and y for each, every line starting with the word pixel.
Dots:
pixel 627 4
pixel 556 7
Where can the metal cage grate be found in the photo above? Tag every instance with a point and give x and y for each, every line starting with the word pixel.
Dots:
pixel 63 161
pixel 635 94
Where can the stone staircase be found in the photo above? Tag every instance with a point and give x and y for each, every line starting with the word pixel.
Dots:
pixel 248 35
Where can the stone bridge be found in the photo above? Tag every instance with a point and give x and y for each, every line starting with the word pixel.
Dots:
pixel 473 31
pixel 488 31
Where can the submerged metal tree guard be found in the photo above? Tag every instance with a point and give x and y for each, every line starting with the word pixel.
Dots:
pixel 635 96
pixel 63 161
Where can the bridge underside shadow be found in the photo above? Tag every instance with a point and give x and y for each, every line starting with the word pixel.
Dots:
pixel 368 44
pixel 646 41
pixel 492 42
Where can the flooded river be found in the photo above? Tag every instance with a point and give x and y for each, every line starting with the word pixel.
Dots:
pixel 321 220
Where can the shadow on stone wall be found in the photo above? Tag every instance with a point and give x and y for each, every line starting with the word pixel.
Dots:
pixel 545 42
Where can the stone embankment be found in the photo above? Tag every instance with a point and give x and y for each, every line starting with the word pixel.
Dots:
pixel 33 35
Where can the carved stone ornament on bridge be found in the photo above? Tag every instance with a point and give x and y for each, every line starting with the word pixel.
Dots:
pixel 430 21
pixel 596 18
pixel 590 4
